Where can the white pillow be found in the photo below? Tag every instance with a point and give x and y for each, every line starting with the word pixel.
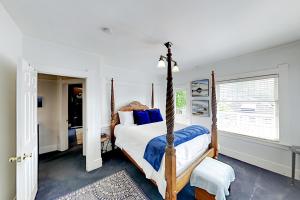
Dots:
pixel 126 117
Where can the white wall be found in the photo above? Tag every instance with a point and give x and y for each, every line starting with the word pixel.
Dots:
pixel 273 156
pixel 136 85
pixel 10 52
pixel 48 115
pixel 46 54
pixel 129 86
pixel 58 59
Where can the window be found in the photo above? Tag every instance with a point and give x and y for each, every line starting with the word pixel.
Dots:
pixel 181 106
pixel 249 106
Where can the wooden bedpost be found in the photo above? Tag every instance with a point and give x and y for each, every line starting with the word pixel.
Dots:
pixel 170 155
pixel 112 112
pixel 214 133
pixel 152 96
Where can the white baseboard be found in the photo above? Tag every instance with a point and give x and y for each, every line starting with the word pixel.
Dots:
pixel 265 164
pixel 95 164
pixel 46 149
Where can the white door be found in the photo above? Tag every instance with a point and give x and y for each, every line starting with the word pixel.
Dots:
pixel 27 180
pixel 64 122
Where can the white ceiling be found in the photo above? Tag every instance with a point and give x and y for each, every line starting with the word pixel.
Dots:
pixel 203 31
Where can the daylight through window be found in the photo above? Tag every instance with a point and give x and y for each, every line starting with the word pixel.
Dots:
pixel 181 106
pixel 249 106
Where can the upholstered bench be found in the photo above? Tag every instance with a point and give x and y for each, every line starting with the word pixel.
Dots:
pixel 212 180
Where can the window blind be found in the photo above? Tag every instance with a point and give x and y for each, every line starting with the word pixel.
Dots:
pixel 249 106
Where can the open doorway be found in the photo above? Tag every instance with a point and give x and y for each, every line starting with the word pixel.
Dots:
pixel 75 121
pixel 60 112
pixel 60 117
pixel 27 131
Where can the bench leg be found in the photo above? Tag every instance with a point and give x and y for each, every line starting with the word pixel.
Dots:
pixel 201 194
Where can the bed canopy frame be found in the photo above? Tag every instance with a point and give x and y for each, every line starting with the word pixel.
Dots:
pixel 174 183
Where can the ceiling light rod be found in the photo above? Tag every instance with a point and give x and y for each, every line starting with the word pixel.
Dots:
pixel 168 45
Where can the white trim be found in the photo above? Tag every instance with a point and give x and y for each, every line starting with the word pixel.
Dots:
pixel 34 195
pixel 263 72
pixel 69 82
pixel 255 75
pixel 249 78
pixel 62 89
pixel 90 166
pixel 91 116
pixel 257 161
pixel 130 83
pixel 60 71
pixel 47 149
pixel 92 120
pixel 255 140
pixel 74 81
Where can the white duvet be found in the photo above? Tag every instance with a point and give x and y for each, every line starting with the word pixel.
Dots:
pixel 134 139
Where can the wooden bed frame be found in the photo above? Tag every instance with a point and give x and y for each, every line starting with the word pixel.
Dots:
pixel 174 183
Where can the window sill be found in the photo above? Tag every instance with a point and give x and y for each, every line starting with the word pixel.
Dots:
pixel 265 142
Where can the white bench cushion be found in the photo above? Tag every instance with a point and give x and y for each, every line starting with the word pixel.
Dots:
pixel 214 177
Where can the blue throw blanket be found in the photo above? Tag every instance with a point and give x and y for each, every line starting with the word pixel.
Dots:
pixel 155 149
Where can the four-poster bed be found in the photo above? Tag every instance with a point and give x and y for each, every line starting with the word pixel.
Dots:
pixel 175 181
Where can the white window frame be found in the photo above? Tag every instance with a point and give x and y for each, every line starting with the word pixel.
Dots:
pixel 249 76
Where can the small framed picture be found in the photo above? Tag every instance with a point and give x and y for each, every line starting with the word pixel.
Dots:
pixel 200 108
pixel 40 102
pixel 200 88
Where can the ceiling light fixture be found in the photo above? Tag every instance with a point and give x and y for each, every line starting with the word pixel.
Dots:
pixel 161 62
pixel 175 68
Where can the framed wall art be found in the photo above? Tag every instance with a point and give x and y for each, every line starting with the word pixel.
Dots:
pixel 200 88
pixel 200 108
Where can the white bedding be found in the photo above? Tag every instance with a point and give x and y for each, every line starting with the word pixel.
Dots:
pixel 134 139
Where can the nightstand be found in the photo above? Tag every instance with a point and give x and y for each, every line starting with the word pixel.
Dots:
pixel 105 141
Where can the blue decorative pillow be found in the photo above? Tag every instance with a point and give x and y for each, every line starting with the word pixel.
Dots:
pixel 141 117
pixel 155 115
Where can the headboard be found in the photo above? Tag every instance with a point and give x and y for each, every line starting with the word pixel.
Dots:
pixel 134 105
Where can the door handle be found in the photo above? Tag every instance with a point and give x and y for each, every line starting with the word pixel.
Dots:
pixel 27 156
pixel 15 159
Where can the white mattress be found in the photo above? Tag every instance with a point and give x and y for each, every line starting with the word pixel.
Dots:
pixel 134 139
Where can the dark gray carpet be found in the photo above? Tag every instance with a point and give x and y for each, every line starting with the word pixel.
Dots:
pixel 62 173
